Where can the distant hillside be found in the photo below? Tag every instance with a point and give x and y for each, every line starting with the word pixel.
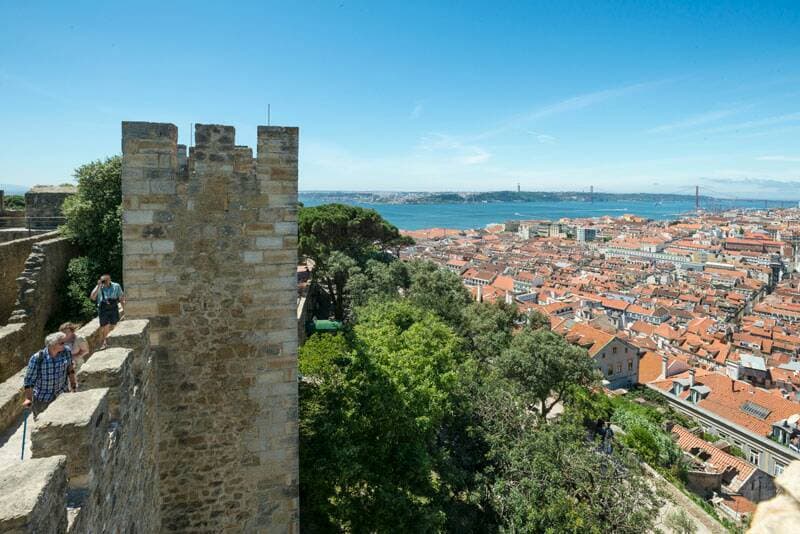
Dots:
pixel 489 196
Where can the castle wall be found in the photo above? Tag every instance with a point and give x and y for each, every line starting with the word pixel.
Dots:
pixel 43 205
pixel 210 254
pixel 92 463
pixel 11 389
pixel 38 294
pixel 12 260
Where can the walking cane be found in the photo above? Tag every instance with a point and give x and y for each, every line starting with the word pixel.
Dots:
pixel 24 431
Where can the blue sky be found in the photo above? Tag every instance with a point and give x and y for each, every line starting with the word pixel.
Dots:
pixel 625 96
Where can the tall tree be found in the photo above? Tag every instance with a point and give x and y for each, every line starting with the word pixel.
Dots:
pixel 438 290
pixel 377 281
pixel 331 232
pixel 93 222
pixel 547 478
pixel 370 417
pixel 93 215
pixel 487 329
pixel 545 368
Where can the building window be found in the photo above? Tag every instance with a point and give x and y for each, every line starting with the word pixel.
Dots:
pixel 626 350
pixel 610 370
pixel 603 355
pixel 619 367
pixel 755 456
pixel 779 467
pixel 613 350
pixel 630 365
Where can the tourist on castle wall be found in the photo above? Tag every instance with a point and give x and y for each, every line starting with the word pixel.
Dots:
pixel 109 296
pixel 76 344
pixel 48 370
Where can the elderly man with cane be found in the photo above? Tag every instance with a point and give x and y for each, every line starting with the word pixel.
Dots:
pixel 48 371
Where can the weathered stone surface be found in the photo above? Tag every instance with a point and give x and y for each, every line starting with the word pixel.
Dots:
pixel 37 296
pixel 74 425
pixel 12 260
pixel 780 515
pixel 110 368
pixel 215 272
pixel 121 492
pixel 11 399
pixel 43 205
pixel 33 496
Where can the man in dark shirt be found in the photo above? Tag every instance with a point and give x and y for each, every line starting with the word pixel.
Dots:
pixel 48 371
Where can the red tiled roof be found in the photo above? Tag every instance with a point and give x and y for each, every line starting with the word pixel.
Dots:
pixel 506 283
pixel 728 395
pixel 718 458
pixel 591 338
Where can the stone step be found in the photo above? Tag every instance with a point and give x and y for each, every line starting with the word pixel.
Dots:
pixel 33 496
pixel 75 424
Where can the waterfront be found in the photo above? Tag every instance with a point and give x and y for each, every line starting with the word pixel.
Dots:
pixel 478 215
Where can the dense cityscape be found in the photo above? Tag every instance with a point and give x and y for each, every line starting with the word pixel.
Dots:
pixel 400 267
pixel 704 310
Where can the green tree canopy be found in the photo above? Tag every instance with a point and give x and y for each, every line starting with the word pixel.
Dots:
pixel 537 320
pixel 438 290
pixel 551 480
pixel 338 238
pixel 93 222
pixel 487 329
pixel 545 368
pixel 351 230
pixel 377 281
pixel 369 422
pixel 93 214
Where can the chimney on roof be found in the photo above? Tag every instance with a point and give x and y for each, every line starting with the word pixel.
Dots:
pixel 479 294
pixel 691 377
pixel 664 360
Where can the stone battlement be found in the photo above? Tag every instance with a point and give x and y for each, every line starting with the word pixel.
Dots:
pixel 37 287
pixel 210 255
pixel 92 464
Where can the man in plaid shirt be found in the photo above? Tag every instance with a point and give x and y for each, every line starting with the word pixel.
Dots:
pixel 47 372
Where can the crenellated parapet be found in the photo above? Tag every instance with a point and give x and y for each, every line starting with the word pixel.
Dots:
pixel 210 255
pixel 92 464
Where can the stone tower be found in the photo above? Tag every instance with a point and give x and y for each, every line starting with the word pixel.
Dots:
pixel 210 256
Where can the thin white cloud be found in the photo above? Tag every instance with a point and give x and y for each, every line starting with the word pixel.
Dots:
pixel 457 151
pixel 417 111
pixel 542 138
pixel 757 123
pixel 779 158
pixel 567 105
pixel 695 120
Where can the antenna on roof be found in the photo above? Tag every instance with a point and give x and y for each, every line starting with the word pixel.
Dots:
pixel 269 113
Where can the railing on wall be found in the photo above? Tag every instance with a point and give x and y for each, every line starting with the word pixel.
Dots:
pixel 31 223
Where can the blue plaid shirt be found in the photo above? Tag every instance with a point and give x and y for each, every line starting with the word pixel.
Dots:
pixel 47 375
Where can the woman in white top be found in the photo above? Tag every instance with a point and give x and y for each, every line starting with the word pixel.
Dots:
pixel 76 344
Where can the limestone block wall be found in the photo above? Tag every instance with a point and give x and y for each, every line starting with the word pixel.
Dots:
pixel 12 219
pixel 12 260
pixel 101 447
pixel 32 496
pixel 38 295
pixel 210 254
pixel 11 388
pixel 43 205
